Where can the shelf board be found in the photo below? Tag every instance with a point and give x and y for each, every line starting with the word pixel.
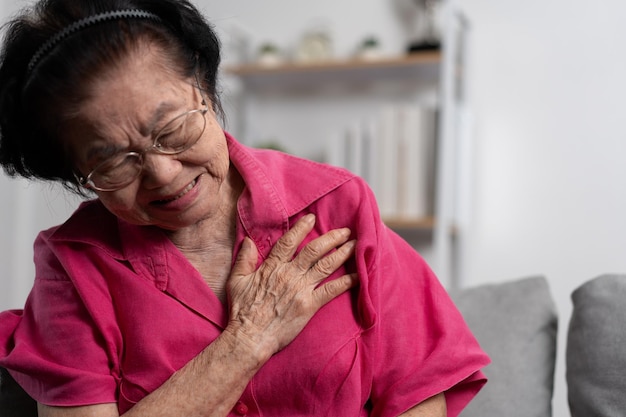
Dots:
pixel 400 223
pixel 406 61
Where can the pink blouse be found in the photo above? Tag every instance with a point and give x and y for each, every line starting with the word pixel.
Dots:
pixel 116 309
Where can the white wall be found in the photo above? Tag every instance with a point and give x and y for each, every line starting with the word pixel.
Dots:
pixel 548 93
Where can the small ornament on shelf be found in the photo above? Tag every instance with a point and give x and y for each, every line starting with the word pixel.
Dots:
pixel 429 39
pixel 369 49
pixel 315 46
pixel 270 55
pixel 421 21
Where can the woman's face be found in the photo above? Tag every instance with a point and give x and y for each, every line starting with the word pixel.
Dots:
pixel 127 106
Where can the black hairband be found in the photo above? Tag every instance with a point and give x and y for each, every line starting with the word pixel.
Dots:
pixel 83 23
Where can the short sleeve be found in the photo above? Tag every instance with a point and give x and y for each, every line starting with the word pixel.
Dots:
pixel 420 344
pixel 425 346
pixel 55 351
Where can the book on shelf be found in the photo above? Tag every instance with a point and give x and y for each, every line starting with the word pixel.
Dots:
pixel 387 162
pixel 416 142
pixel 394 152
pixel 353 151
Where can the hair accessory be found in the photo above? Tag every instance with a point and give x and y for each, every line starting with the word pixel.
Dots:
pixel 83 23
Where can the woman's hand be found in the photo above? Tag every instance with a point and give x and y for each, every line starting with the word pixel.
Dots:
pixel 270 305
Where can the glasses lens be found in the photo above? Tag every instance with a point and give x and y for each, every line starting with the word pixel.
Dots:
pixel 181 133
pixel 117 172
pixel 176 136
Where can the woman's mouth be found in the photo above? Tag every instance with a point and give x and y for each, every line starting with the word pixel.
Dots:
pixel 182 193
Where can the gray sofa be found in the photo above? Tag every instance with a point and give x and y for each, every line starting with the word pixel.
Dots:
pixel 596 348
pixel 516 324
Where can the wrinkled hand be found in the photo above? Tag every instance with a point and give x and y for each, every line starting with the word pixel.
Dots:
pixel 271 305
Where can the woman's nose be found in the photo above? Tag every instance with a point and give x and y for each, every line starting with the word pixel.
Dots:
pixel 159 169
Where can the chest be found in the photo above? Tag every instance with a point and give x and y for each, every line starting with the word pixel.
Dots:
pixel 168 328
pixel 214 265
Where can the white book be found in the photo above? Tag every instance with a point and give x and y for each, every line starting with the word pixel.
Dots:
pixel 430 133
pixel 405 165
pixel 353 150
pixel 417 135
pixel 369 153
pixel 387 162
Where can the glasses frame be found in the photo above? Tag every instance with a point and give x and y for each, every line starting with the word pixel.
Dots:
pixel 87 182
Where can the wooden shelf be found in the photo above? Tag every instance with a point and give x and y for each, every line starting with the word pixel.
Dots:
pixel 425 224
pixel 412 60
pixel 350 71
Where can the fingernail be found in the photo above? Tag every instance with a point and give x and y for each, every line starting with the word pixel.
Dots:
pixel 309 218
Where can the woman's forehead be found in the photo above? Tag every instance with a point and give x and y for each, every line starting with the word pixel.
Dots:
pixel 111 122
pixel 139 84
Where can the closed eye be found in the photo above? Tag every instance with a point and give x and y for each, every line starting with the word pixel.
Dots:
pixel 99 154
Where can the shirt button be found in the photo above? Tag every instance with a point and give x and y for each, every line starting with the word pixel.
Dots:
pixel 241 408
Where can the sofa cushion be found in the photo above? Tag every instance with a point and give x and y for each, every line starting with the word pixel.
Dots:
pixel 515 322
pixel 596 348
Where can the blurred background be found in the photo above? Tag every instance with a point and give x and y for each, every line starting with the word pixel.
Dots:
pixel 530 156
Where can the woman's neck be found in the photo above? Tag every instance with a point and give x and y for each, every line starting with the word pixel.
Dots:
pixel 208 245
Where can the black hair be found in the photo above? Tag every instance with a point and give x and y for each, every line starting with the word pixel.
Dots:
pixel 34 103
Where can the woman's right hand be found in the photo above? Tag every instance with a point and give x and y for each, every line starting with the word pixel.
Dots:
pixel 270 305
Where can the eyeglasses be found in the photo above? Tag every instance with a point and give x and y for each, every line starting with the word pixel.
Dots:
pixel 177 136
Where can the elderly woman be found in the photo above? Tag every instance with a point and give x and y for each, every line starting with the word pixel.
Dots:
pixel 205 278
